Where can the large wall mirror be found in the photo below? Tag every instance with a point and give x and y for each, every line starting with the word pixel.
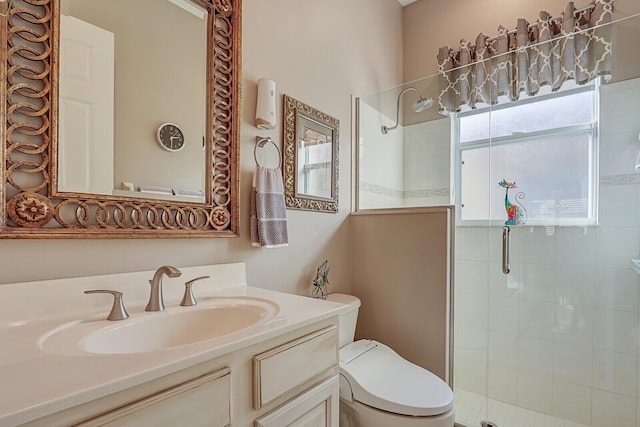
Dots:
pixel 122 118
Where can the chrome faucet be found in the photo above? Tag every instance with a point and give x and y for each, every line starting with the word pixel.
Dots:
pixel 156 302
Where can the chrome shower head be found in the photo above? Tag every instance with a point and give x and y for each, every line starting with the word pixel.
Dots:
pixel 421 105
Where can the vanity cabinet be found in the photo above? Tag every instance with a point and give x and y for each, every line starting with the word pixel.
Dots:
pixel 202 402
pixel 315 408
pixel 287 380
pixel 279 369
pixel 291 365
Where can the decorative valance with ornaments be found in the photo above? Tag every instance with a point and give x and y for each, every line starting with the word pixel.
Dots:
pixel 575 45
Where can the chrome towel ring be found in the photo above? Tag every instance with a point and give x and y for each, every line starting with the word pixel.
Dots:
pixel 260 143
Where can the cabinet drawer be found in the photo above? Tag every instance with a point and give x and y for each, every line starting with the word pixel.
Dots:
pixel 204 401
pixel 316 407
pixel 291 365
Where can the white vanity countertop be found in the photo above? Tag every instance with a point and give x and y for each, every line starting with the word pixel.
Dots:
pixel 35 382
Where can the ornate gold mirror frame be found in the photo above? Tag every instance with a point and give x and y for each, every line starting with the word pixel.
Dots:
pixel 31 206
pixel 298 119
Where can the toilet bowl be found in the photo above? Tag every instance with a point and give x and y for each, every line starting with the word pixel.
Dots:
pixel 378 388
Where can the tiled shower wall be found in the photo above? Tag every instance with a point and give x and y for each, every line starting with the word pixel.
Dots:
pixel 560 334
pixel 426 176
pixel 407 167
pixel 380 161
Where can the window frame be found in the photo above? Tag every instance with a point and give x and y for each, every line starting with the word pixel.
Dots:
pixel 592 129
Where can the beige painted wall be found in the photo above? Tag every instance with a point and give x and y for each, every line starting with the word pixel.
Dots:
pixel 319 52
pixel 431 24
pixel 400 267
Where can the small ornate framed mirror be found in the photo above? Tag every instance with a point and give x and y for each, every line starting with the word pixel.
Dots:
pixel 51 187
pixel 311 148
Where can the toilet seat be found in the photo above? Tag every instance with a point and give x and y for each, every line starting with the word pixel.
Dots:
pixel 380 378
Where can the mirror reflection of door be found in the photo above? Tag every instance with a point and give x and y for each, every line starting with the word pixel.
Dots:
pixel 314 154
pixel 86 107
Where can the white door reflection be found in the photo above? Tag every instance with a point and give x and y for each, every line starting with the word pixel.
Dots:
pixel 86 107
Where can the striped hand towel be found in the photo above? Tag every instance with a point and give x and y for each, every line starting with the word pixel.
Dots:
pixel 268 211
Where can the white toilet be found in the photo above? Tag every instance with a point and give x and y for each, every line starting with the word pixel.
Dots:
pixel 378 388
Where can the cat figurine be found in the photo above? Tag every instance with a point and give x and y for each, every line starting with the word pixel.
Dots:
pixel 516 213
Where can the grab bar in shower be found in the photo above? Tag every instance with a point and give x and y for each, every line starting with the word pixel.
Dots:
pixel 506 266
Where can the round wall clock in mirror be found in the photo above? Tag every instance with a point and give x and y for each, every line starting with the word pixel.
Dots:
pixel 170 137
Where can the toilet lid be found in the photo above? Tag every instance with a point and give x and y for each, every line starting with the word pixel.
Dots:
pixel 380 378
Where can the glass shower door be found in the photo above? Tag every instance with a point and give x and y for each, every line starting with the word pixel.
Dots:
pixel 555 340
pixel 526 184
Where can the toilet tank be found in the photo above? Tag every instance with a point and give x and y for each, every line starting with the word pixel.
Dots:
pixel 348 320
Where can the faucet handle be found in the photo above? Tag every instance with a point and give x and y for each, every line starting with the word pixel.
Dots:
pixel 118 312
pixel 188 299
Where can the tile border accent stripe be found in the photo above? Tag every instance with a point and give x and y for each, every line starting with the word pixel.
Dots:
pixel 622 179
pixel 402 194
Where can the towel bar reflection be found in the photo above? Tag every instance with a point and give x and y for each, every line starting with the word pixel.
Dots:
pixel 260 143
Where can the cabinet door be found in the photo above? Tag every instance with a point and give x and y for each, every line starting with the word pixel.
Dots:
pixel 204 401
pixel 317 407
pixel 293 365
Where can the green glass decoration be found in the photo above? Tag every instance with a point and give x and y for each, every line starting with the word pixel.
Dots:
pixel 321 281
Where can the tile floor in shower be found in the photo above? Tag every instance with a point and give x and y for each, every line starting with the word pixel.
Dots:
pixel 471 410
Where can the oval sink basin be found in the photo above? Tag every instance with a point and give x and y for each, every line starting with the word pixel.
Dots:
pixel 154 331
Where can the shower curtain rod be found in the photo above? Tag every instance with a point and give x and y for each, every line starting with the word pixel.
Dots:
pixel 488 41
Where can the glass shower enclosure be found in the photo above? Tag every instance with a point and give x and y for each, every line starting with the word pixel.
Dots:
pixel 545 301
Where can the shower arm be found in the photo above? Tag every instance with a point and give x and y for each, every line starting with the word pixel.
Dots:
pixel 386 129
